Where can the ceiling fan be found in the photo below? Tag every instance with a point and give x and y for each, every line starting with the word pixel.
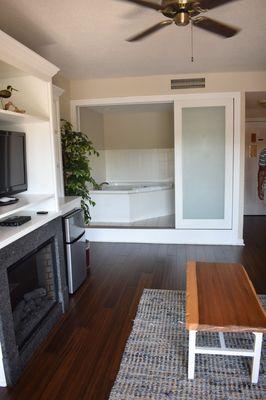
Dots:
pixel 184 12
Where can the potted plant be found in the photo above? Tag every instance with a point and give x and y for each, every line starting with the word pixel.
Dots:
pixel 76 149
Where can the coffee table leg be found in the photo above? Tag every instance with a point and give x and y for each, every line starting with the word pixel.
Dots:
pixel 256 358
pixel 191 354
pixel 222 341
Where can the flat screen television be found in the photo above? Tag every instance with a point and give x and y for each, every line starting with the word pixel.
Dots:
pixel 13 170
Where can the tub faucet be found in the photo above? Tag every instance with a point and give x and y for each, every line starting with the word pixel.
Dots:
pixel 100 185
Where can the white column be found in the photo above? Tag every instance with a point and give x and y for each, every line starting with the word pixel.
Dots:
pixel 256 358
pixel 191 354
pixel 2 371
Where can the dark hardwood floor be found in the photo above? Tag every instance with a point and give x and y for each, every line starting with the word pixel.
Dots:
pixel 80 358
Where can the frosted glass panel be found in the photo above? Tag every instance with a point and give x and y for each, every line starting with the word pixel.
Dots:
pixel 203 149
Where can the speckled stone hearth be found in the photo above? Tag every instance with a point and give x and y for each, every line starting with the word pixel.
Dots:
pixel 15 357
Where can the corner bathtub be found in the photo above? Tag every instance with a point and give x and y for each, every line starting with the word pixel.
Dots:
pixel 130 202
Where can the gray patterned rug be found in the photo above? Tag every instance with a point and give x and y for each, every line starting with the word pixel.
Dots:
pixel 154 363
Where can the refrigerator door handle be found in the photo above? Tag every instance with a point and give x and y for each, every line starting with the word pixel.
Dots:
pixel 77 238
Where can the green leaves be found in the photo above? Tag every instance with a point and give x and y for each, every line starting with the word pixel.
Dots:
pixel 77 148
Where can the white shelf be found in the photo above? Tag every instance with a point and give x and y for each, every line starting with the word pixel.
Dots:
pixel 9 235
pixel 25 201
pixel 13 117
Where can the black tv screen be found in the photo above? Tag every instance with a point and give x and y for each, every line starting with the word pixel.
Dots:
pixel 13 171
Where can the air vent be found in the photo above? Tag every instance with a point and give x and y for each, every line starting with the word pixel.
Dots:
pixel 188 83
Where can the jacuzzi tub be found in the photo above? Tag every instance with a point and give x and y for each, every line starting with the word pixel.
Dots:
pixel 130 202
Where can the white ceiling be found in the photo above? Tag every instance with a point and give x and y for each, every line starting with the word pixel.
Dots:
pixel 86 38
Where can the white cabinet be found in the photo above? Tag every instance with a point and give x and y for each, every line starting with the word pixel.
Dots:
pixel 32 76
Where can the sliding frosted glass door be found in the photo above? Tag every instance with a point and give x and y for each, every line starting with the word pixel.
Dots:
pixel 204 164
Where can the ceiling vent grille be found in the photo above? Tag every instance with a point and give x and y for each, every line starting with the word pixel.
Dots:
pixel 188 83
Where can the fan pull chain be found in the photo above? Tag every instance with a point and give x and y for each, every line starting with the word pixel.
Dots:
pixel 192 43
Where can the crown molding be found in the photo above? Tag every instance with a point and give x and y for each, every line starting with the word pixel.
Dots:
pixel 21 57
pixel 57 91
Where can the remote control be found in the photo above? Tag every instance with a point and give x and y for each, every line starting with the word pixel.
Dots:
pixel 15 220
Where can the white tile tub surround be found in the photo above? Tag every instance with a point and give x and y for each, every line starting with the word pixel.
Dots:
pixel 2 371
pixel 132 205
pixel 139 165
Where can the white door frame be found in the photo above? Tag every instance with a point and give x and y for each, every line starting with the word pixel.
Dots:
pixel 233 236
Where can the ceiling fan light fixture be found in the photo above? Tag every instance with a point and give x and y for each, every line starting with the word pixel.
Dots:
pixel 182 18
pixel 184 12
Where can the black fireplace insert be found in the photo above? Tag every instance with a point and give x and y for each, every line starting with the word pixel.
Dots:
pixel 33 290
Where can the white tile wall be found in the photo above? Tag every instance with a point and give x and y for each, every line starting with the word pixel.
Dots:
pixel 139 165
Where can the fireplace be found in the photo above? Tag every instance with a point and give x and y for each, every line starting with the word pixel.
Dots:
pixel 33 291
pixel 33 294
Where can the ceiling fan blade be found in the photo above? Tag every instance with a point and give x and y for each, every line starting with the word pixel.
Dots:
pixel 148 4
pixel 150 30
pixel 217 27
pixel 209 4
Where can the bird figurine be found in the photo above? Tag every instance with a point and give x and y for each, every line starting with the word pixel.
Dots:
pixel 6 93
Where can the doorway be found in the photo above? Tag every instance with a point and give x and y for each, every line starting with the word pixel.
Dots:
pixel 135 169
pixel 255 132
pixel 208 176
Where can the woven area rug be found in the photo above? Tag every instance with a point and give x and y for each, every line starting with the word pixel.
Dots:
pixel 154 363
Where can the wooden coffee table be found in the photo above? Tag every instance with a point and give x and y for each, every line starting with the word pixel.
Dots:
pixel 221 298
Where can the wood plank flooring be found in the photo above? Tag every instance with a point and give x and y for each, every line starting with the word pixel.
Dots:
pixel 80 358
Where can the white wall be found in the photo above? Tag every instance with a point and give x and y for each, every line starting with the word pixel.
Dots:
pixel 253 205
pixel 64 100
pixel 160 84
pixel 134 146
pixel 92 124
pixel 237 81
pixel 130 87
pixel 139 130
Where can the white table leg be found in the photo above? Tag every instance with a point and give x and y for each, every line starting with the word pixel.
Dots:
pixel 256 357
pixel 222 341
pixel 191 354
